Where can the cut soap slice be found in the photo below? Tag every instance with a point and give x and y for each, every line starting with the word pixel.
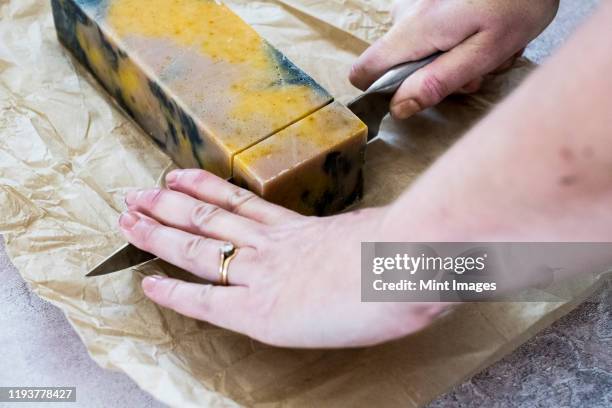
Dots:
pixel 313 166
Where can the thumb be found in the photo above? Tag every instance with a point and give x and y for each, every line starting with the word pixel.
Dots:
pixel 457 68
pixel 386 53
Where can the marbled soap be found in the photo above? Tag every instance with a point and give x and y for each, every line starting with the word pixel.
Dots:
pixel 313 166
pixel 199 80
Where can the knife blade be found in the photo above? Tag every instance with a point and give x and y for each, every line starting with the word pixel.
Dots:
pixel 371 107
pixel 125 257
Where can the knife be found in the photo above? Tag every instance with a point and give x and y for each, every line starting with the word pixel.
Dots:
pixel 125 257
pixel 371 107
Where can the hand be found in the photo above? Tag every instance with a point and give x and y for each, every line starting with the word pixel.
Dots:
pixel 478 36
pixel 295 280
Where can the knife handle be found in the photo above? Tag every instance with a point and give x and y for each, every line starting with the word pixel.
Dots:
pixel 373 105
pixel 390 82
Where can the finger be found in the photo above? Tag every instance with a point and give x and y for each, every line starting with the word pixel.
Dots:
pixel 196 254
pixel 178 210
pixel 419 32
pixel 221 306
pixel 393 48
pixel 207 187
pixel 449 73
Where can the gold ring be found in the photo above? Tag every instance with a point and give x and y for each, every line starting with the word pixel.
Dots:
pixel 227 253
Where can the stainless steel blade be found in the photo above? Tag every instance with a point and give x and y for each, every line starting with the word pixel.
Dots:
pixel 125 257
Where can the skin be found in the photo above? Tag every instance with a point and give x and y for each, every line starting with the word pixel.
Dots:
pixel 188 223
pixel 536 169
pixel 477 36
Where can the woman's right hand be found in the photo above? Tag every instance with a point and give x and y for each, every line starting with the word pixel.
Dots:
pixel 478 36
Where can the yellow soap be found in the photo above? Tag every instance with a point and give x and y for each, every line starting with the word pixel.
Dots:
pixel 205 87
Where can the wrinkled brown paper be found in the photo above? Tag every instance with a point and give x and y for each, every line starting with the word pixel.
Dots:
pixel 67 157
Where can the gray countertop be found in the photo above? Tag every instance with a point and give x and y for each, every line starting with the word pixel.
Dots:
pixel 566 365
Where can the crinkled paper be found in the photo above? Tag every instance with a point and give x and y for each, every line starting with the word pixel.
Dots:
pixel 67 157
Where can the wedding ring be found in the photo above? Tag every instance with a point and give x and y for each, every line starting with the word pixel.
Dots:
pixel 227 253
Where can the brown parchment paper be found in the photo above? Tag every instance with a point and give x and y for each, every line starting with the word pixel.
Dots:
pixel 67 157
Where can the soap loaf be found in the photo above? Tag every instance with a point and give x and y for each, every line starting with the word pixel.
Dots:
pixel 208 89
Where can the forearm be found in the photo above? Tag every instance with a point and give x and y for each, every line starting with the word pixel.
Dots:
pixel 538 168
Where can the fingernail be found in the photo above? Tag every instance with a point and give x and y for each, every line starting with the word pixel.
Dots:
pixel 148 283
pixel 172 176
pixel 131 196
pixel 405 109
pixel 128 220
pixel 353 74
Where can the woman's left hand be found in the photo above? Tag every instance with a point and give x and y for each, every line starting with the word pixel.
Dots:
pixel 295 280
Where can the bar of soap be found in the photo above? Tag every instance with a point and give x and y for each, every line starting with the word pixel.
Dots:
pixel 313 166
pixel 200 81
